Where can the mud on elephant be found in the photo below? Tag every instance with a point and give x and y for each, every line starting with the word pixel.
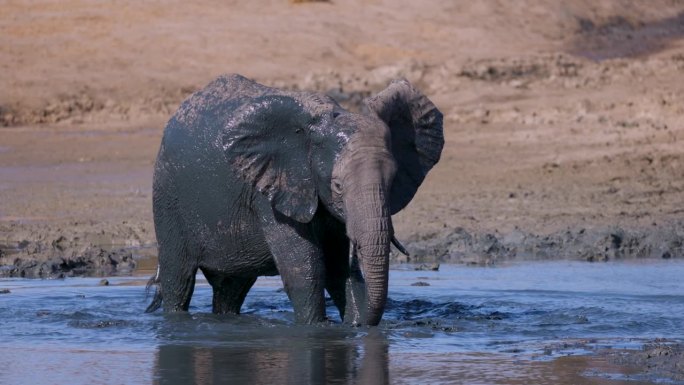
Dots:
pixel 252 181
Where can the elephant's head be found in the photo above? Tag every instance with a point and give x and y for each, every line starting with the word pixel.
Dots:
pixel 304 151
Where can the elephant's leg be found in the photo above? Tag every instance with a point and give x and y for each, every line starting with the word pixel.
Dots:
pixel 300 264
pixel 347 291
pixel 229 292
pixel 355 294
pixel 335 286
pixel 343 280
pixel 177 267
pixel 337 271
pixel 177 277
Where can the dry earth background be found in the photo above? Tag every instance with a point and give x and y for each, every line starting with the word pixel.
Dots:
pixel 564 121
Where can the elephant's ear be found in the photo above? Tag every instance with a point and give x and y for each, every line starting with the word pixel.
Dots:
pixel 266 142
pixel 417 136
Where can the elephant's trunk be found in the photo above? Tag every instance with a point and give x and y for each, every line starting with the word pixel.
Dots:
pixel 370 227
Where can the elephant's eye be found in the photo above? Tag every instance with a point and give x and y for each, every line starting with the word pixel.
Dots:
pixel 336 114
pixel 337 186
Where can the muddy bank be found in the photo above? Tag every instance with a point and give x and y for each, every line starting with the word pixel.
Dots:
pixel 40 251
pixel 92 262
pixel 593 245
pixel 658 359
pixel 620 37
pixel 91 250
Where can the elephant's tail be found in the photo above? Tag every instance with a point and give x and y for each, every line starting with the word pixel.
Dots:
pixel 157 299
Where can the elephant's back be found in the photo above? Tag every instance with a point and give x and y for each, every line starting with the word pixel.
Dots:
pixel 216 102
pixel 192 132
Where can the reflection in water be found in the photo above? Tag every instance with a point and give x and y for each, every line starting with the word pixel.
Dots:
pixel 305 357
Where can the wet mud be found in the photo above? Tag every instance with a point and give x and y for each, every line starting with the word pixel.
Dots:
pixel 592 245
pixel 44 253
pixel 41 251
pixel 658 359
pixel 619 37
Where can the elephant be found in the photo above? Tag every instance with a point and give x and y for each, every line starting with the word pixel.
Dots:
pixel 251 180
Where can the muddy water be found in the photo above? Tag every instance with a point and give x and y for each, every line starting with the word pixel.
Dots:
pixel 515 324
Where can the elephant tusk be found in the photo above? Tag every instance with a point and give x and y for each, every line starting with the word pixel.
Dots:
pixel 399 246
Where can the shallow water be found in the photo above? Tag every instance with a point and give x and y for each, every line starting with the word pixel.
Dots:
pixel 515 324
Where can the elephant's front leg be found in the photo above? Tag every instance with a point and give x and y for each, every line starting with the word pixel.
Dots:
pixel 344 280
pixel 300 263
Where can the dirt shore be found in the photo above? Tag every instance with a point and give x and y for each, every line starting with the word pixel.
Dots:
pixel 657 361
pixel 564 124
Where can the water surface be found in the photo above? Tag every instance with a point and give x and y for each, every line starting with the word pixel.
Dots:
pixel 515 324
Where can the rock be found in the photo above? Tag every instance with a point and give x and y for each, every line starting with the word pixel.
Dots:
pixel 59 243
pixel 420 283
pixel 103 282
pixel 427 267
pixel 5 291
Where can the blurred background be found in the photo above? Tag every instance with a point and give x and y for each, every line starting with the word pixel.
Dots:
pixel 563 120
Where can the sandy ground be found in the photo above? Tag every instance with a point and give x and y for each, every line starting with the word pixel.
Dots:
pixel 563 122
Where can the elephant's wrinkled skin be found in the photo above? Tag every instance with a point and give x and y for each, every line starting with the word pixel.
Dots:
pixel 252 181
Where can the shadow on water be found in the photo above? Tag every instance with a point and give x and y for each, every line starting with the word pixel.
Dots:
pixel 620 38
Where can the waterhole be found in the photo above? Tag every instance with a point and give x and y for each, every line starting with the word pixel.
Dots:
pixel 515 324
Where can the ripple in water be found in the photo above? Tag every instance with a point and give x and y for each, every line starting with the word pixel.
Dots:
pixel 474 324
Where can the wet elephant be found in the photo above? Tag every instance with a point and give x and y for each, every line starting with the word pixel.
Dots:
pixel 252 181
